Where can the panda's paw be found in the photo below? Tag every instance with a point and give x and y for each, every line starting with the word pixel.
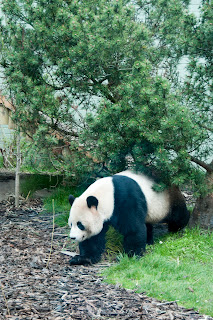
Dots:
pixel 80 260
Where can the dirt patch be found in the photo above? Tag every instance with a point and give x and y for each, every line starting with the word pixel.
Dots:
pixel 30 290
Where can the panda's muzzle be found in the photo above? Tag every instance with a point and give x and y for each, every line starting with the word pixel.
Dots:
pixel 79 239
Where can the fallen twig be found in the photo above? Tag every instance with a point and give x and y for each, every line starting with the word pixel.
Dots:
pixel 165 303
pixel 68 253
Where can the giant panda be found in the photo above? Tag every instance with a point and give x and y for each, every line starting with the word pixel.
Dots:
pixel 128 202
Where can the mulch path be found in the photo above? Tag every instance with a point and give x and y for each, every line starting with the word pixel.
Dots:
pixel 31 290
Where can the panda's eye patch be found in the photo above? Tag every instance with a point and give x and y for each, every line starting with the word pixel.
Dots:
pixel 80 226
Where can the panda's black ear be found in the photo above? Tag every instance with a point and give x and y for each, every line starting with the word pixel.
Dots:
pixel 92 201
pixel 71 199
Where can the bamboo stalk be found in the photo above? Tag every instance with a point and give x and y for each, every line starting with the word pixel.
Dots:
pixel 52 234
pixel 17 179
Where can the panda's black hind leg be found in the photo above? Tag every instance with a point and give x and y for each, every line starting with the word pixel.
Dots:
pixel 179 218
pixel 149 228
pixel 135 242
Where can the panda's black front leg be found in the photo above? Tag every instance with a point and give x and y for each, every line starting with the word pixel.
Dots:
pixel 79 260
pixel 135 242
pixel 90 249
pixel 90 252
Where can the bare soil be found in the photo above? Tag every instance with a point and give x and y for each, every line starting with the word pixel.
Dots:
pixel 30 289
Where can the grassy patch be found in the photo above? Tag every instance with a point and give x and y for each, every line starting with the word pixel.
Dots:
pixel 114 243
pixel 1 162
pixel 178 268
pixel 61 203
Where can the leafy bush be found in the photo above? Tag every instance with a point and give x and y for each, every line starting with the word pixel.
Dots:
pixel 34 182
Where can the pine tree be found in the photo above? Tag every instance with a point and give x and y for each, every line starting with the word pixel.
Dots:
pixel 198 98
pixel 104 72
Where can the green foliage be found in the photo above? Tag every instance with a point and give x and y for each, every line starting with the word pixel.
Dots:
pixel 197 89
pixel 144 129
pixel 68 48
pixel 179 268
pixel 78 169
pixel 33 182
pixel 169 23
pixel 41 160
pixel 102 78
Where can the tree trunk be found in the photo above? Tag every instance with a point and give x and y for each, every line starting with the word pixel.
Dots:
pixel 202 214
pixel 17 180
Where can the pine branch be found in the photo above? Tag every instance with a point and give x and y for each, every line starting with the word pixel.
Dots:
pixel 206 166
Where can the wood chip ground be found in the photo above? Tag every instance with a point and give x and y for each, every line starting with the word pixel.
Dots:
pixel 29 290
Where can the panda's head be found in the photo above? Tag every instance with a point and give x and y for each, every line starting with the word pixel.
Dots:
pixel 84 219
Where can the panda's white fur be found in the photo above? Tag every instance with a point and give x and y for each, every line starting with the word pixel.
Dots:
pixel 128 202
pixel 158 203
pixel 92 218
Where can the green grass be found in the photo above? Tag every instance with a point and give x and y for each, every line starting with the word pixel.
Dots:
pixel 61 204
pixel 114 243
pixel 179 267
pixel 1 162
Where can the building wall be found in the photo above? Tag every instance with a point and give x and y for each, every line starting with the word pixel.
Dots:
pixel 4 115
pixel 6 124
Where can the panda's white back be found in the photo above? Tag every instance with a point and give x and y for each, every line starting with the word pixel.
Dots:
pixel 158 203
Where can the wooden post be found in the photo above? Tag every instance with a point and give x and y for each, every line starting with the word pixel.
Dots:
pixel 18 161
